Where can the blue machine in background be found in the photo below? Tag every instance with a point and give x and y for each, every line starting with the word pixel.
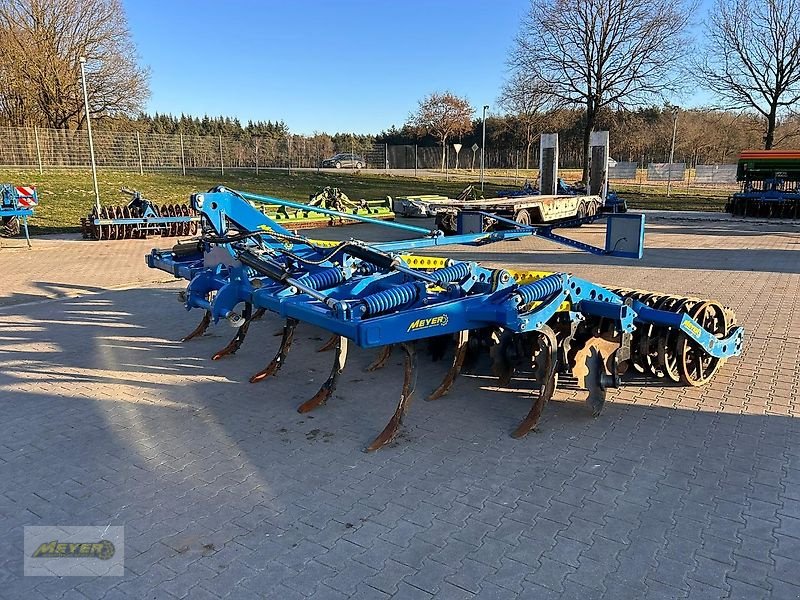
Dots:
pixel 17 203
pixel 532 324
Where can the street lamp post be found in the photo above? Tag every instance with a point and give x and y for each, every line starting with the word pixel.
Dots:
pixel 483 144
pixel 89 128
pixel 672 149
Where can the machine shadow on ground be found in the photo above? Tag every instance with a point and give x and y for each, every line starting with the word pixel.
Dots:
pixel 108 418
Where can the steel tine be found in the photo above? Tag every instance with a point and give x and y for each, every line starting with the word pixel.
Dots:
pixel 547 385
pixel 409 383
pixel 382 358
pixel 327 389
pixel 200 329
pixel 280 357
pixel 330 344
pixel 241 333
pixel 455 368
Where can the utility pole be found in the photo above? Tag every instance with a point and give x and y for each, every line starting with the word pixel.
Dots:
pixel 483 145
pixel 89 127
pixel 672 149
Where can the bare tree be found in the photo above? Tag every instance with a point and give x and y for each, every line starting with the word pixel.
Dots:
pixel 752 57
pixel 443 115
pixel 41 42
pixel 601 53
pixel 524 97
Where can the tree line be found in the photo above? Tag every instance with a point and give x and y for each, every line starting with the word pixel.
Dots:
pixel 575 66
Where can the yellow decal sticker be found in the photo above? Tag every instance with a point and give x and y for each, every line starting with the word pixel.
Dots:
pixel 439 321
pixel 691 327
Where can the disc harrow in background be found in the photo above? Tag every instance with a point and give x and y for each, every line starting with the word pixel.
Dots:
pixel 126 231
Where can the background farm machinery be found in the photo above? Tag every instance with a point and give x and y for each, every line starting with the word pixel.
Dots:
pixel 16 205
pixel 524 324
pixel 770 181
pixel 140 218
pixel 551 202
pixel 331 198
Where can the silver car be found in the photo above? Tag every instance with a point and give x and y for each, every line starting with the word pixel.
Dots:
pixel 344 160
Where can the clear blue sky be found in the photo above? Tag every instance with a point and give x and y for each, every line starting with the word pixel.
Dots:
pixel 325 65
pixel 338 65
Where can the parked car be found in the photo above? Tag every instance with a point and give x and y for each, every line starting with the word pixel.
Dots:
pixel 344 160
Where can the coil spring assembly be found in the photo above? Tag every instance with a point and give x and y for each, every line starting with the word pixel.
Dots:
pixel 454 272
pixel 540 289
pixel 386 300
pixel 326 278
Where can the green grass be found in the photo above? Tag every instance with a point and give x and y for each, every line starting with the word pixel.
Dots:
pixel 66 196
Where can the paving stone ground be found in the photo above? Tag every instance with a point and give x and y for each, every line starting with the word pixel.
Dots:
pixel 225 491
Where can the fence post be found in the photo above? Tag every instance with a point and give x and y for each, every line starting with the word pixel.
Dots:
pixel 183 157
pixel 221 163
pixel 38 151
pixel 288 155
pixel 139 149
pixel 386 155
pixel 415 160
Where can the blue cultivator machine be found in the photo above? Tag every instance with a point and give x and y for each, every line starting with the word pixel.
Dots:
pixel 536 324
pixel 16 205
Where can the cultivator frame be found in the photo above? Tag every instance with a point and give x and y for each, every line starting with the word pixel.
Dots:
pixel 140 218
pixel 17 203
pixel 535 324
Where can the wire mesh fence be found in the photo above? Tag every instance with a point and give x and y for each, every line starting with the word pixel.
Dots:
pixel 37 148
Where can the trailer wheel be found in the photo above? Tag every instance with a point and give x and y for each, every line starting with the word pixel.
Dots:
pixel 523 217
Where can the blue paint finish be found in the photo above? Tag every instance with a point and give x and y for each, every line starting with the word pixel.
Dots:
pixel 375 299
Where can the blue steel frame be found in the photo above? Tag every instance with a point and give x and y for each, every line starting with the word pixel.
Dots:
pixel 372 297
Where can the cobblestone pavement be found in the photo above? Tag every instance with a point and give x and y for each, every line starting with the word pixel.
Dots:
pixel 224 490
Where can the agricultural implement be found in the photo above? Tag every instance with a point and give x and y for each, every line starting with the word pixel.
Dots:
pixel 553 202
pixel 770 184
pixel 16 205
pixel 140 218
pixel 331 198
pixel 525 324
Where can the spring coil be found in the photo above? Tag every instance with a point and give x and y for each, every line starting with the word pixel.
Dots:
pixel 366 268
pixel 323 279
pixel 540 289
pixel 386 300
pixel 454 272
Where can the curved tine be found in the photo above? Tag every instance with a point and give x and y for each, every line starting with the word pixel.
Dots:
pixel 409 383
pixel 332 343
pixel 321 397
pixel 382 358
pixel 455 368
pixel 241 333
pixel 286 343
pixel 547 385
pixel 258 314
pixel 200 329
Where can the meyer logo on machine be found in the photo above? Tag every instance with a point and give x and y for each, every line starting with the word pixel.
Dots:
pixel 690 327
pixel 439 321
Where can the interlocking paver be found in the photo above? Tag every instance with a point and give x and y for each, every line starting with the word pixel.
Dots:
pixel 673 491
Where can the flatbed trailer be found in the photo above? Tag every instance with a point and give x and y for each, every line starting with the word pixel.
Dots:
pixel 525 209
